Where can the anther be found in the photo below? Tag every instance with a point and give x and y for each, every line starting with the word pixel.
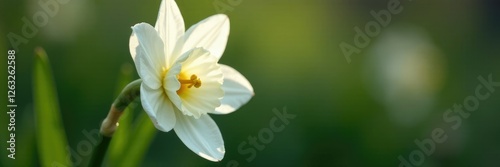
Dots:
pixel 193 81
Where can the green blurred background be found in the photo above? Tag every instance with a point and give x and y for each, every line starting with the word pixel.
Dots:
pixel 364 113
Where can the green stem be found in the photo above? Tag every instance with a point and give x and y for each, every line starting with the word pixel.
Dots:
pixel 110 123
pixel 100 152
pixel 128 95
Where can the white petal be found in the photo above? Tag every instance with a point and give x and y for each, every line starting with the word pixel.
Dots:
pixel 210 34
pixel 158 108
pixel 237 91
pixel 165 114
pixel 169 24
pixel 201 135
pixel 149 58
pixel 133 44
pixel 171 81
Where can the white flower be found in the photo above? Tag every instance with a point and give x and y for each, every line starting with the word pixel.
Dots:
pixel 182 80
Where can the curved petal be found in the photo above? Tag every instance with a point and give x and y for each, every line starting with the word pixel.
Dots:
pixel 158 108
pixel 133 43
pixel 237 91
pixel 149 58
pixel 171 81
pixel 201 135
pixel 165 114
pixel 169 24
pixel 210 34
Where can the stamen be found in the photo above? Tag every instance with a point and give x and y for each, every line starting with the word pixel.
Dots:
pixel 193 81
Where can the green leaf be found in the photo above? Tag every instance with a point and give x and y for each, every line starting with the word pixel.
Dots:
pixel 50 136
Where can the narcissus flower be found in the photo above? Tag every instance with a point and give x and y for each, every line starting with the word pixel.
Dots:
pixel 182 81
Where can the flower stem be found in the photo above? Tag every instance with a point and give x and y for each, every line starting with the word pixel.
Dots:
pixel 100 151
pixel 110 123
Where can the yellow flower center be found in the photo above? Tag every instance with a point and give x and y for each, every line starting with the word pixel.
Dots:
pixel 193 81
pixel 186 83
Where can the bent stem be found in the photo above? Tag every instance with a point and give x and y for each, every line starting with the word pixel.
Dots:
pixel 110 123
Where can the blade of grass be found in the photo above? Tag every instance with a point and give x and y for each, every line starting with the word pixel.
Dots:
pixel 50 135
